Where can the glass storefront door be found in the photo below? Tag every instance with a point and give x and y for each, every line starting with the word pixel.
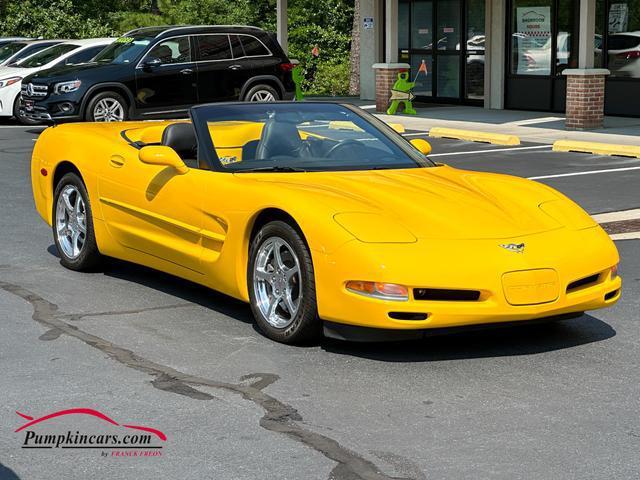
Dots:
pixel 449 38
pixel 542 43
pixel 617 48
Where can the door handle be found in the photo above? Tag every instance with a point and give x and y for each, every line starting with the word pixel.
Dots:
pixel 116 161
pixel 186 71
pixel 234 67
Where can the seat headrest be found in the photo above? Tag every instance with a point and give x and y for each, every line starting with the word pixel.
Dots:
pixel 182 138
pixel 278 138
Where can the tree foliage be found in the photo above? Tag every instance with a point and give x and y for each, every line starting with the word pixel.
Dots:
pixel 326 24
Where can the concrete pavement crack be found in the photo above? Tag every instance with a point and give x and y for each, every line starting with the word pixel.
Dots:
pixel 278 417
pixel 79 316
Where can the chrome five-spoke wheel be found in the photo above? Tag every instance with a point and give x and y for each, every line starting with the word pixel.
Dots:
pixel 276 282
pixel 71 221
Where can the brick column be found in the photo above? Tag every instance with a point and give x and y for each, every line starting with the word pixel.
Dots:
pixel 386 76
pixel 585 98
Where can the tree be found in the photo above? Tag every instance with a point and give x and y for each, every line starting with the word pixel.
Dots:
pixel 354 77
pixel 50 19
pixel 329 24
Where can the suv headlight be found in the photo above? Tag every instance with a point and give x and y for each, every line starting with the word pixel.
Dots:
pixel 5 82
pixel 66 87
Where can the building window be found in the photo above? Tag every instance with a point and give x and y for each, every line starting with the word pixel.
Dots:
pixel 531 24
pixel 421 25
pixel 622 42
pixel 474 75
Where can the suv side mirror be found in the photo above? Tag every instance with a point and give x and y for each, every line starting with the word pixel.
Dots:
pixel 151 63
pixel 164 156
pixel 421 145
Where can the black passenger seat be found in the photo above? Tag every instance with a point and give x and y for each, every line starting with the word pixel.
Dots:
pixel 182 138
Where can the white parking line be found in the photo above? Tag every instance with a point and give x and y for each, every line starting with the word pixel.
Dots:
pixel 589 172
pixel 625 236
pixel 620 215
pixel 489 150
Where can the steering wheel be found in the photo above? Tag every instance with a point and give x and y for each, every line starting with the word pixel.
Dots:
pixel 347 143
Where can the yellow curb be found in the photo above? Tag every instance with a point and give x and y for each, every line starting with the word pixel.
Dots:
pixel 398 127
pixel 596 148
pixel 474 136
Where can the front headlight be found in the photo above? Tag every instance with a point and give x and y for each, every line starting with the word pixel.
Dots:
pixel 568 214
pixel 66 87
pixel 5 82
pixel 374 228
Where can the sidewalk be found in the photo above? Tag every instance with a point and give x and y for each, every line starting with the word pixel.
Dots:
pixel 535 127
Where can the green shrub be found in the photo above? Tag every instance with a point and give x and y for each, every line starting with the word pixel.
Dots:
pixel 50 19
pixel 330 79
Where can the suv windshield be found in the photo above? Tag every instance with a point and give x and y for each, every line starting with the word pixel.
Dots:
pixel 47 55
pixel 10 49
pixel 124 50
pixel 290 137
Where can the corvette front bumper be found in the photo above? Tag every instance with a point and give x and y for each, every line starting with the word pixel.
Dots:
pixel 511 286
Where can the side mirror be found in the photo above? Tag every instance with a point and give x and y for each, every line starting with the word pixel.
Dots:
pixel 151 63
pixel 421 145
pixel 164 156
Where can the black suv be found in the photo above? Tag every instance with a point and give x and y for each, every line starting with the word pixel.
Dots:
pixel 161 72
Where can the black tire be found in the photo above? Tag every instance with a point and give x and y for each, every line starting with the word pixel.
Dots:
pixel 260 88
pixel 89 114
pixel 305 326
pixel 89 257
pixel 22 120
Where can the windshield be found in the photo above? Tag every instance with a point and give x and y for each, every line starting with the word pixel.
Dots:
pixel 10 49
pixel 47 55
pixel 314 137
pixel 124 50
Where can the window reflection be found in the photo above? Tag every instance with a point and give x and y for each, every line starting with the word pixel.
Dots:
pixel 620 20
pixel 531 38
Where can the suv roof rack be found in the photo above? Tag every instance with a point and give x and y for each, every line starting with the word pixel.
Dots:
pixel 169 28
pixel 180 27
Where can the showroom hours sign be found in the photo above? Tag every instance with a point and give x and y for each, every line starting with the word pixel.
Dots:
pixel 532 40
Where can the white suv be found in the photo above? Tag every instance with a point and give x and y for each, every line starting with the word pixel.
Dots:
pixel 12 52
pixel 624 54
pixel 70 52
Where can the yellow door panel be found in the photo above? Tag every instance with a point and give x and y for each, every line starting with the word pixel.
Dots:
pixel 153 208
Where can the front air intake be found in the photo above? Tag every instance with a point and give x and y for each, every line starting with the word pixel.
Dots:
pixel 415 316
pixel 583 282
pixel 446 295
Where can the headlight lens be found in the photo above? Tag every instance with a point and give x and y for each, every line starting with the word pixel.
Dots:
pixel 374 228
pixel 383 291
pixel 5 82
pixel 66 87
pixel 568 214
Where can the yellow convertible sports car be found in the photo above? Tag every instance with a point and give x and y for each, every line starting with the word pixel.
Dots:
pixel 320 215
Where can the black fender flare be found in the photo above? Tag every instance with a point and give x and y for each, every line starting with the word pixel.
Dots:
pixel 261 78
pixel 121 86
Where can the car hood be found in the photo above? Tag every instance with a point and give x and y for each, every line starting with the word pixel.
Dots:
pixel 73 72
pixel 438 202
pixel 6 72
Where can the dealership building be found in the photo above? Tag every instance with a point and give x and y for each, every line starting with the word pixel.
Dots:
pixel 581 57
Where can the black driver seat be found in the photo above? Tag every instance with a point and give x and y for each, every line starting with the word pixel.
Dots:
pixel 182 138
pixel 279 138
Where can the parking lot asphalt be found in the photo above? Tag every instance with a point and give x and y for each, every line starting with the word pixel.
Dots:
pixel 548 401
